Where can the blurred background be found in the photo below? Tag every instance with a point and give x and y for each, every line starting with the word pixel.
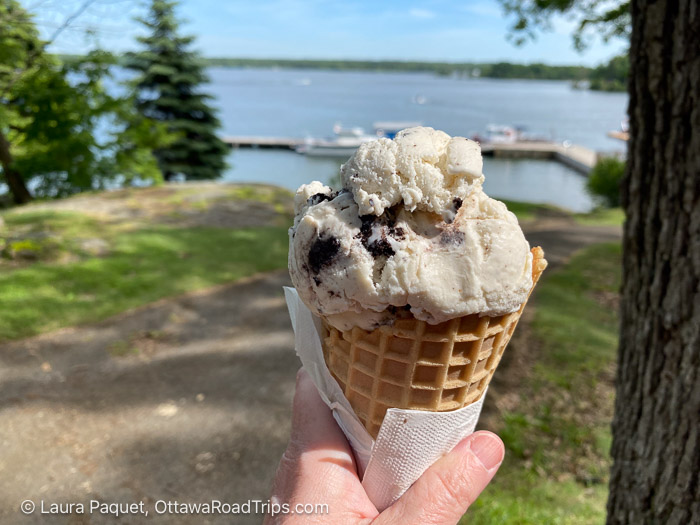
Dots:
pixel 148 156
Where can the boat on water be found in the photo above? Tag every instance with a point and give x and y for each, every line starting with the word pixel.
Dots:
pixel 345 141
pixel 502 134
pixel 499 134
pixel 623 133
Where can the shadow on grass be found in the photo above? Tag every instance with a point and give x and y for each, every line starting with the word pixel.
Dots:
pixel 199 411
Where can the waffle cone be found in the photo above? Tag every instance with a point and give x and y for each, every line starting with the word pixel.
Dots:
pixel 415 365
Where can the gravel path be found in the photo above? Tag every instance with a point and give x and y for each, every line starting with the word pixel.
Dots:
pixel 183 400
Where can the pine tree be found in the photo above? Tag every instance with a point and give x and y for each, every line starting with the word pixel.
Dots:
pixel 168 81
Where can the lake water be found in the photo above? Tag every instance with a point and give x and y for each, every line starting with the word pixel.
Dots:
pixel 301 103
pixel 307 103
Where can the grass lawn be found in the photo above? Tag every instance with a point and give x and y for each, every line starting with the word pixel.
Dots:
pixel 558 439
pixel 525 211
pixel 602 217
pixel 143 266
pixel 60 268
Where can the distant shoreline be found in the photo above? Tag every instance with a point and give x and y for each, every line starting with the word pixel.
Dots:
pixel 535 71
pixel 581 76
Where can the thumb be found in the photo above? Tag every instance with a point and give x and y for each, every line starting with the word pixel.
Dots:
pixel 444 492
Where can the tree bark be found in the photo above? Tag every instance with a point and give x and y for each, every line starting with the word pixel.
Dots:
pixel 20 193
pixel 656 427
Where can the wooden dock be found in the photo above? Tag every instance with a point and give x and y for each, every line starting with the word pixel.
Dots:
pixel 263 142
pixel 576 157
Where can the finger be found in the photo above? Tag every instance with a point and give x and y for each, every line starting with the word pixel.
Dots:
pixel 318 465
pixel 313 425
pixel 444 492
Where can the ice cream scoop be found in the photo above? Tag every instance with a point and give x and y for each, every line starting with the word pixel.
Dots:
pixel 420 169
pixel 410 234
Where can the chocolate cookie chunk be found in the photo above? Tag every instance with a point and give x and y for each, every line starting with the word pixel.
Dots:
pixel 322 253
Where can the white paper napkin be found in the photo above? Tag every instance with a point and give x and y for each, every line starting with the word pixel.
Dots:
pixel 409 441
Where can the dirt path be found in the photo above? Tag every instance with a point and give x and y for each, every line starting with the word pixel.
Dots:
pixel 186 399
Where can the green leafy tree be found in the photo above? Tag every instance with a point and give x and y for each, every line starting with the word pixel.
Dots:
pixel 52 114
pixel 19 46
pixel 169 79
pixel 608 19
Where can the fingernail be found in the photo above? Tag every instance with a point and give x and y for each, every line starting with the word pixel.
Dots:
pixel 488 448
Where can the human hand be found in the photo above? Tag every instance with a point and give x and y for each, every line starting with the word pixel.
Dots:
pixel 318 467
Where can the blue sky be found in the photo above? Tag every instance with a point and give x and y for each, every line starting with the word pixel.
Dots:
pixel 440 30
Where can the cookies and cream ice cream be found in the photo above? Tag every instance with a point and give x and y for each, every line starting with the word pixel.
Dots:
pixel 411 230
pixel 422 169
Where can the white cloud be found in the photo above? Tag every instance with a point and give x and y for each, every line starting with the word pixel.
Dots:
pixel 421 13
pixel 483 9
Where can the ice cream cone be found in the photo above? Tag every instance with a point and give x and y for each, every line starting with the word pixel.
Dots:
pixel 415 365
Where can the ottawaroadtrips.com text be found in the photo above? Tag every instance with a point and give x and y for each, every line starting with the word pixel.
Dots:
pixel 160 507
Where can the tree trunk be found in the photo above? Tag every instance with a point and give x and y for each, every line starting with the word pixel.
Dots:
pixel 655 476
pixel 20 193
